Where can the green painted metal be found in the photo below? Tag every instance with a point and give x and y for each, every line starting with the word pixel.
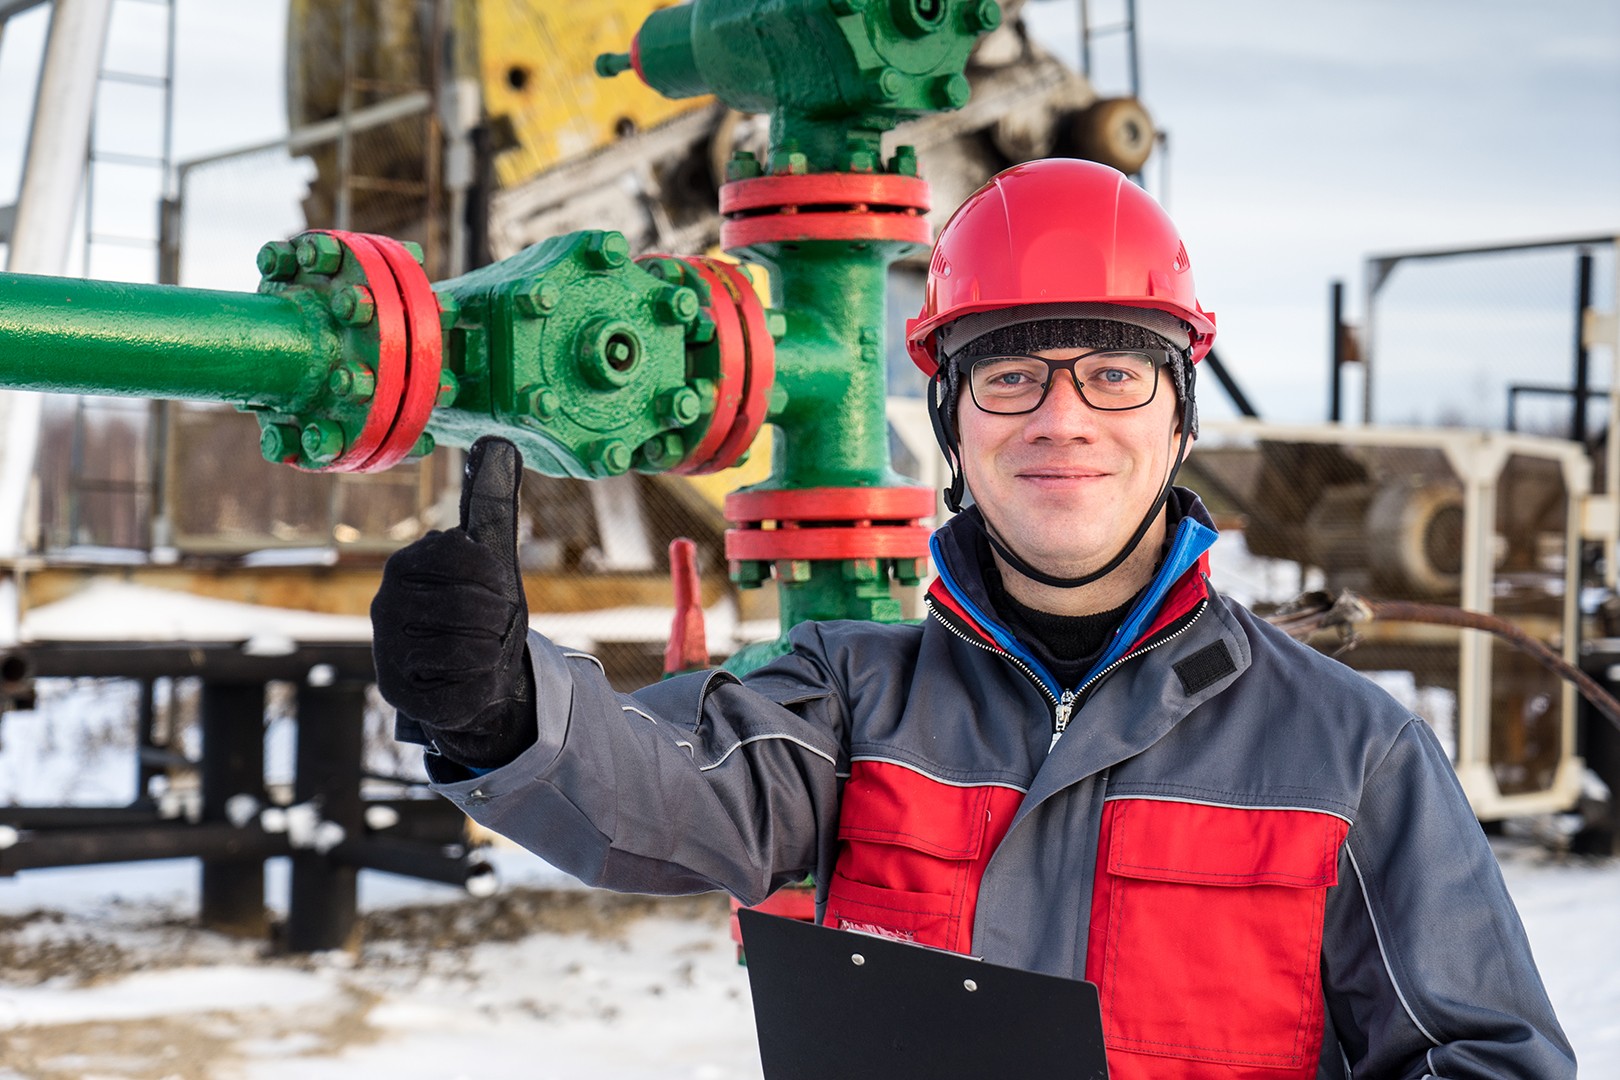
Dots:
pixel 100 337
pixel 833 75
pixel 581 357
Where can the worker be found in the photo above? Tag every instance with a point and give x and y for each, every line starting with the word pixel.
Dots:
pixel 1084 761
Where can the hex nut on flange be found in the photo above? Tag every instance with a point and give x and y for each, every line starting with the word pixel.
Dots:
pixel 353 380
pixel 607 457
pixel 278 442
pixel 606 250
pixel 320 254
pixel 537 299
pixel 354 305
pixel 322 440
pixel 278 261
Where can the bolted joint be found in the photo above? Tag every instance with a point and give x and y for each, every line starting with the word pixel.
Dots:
pixel 982 17
pixel 792 571
pixel 425 445
pixel 414 249
pixel 278 261
pixel 537 299
pixel 676 304
pixel 449 390
pixel 749 573
pixel 606 457
pixel 606 250
pixel 320 254
pixel 539 402
pixel 353 380
pixel 663 451
pixel 908 571
pixel 278 442
pixel 952 91
pixel 904 161
pixel 354 305
pixel 700 331
pixel 788 161
pixel 680 406
pixel 449 309
pixel 322 440
pixel 744 165
pixel 860 569
pixel 886 85
pixel 776 324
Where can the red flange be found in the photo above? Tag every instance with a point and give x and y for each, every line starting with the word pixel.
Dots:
pixel 393 352
pixel 831 504
pixel 424 348
pixel 824 206
pixel 869 542
pixel 759 369
pixel 815 190
pixel 729 386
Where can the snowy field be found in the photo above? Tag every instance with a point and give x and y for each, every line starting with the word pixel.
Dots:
pixel 104 977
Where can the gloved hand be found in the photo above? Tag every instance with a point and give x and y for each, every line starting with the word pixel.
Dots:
pixel 449 622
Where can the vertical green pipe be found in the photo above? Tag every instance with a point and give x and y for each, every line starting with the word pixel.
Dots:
pixel 833 430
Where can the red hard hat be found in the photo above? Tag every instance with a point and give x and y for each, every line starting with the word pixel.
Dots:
pixel 1057 231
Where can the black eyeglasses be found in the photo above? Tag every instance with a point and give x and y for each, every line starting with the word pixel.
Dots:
pixel 1112 380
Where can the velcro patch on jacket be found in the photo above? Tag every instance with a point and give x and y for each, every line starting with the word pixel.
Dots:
pixel 1205 667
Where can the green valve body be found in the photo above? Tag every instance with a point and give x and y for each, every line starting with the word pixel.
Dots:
pixel 833 75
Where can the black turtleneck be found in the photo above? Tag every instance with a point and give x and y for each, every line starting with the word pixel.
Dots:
pixel 1068 645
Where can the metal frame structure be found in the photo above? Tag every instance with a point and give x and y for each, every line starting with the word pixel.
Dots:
pixel 1478 459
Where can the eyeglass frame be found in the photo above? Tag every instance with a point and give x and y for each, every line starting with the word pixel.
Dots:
pixel 1160 359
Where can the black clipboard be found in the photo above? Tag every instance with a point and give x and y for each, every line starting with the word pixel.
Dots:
pixel 833 1003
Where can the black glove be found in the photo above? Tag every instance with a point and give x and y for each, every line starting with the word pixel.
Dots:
pixel 449 621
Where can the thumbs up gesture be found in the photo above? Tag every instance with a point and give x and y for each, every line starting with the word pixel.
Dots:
pixel 449 624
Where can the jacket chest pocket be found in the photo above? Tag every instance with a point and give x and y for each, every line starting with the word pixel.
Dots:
pixel 911 852
pixel 1206 934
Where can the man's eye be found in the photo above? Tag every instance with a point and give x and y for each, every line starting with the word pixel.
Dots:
pixel 1013 378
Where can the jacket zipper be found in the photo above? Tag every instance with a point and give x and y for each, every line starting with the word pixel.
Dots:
pixel 1064 705
pixel 1071 698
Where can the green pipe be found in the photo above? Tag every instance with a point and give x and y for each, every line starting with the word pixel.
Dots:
pixel 98 337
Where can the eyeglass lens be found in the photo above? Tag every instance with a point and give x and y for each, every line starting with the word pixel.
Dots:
pixel 1106 380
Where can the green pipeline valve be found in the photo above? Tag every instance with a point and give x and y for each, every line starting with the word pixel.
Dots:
pixel 832 74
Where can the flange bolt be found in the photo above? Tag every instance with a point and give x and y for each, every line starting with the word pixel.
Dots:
pixel 278 261
pixel 353 381
pixel 320 253
pixel 538 299
pixel 606 250
pixel 354 305
pixel 322 440
pixel 607 457
pixel 680 406
pixel 677 304
pixel 983 17
pixel 278 442
pixel 953 91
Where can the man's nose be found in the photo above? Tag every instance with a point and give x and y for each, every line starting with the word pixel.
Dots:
pixel 1064 414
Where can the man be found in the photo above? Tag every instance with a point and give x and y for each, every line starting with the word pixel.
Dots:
pixel 1083 762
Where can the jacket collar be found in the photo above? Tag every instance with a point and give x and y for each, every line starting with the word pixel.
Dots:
pixel 959 595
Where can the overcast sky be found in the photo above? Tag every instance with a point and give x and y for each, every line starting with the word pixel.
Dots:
pixel 1303 137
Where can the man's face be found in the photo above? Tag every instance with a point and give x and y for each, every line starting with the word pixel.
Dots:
pixel 1067 485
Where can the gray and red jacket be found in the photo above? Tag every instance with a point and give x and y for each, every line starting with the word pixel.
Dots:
pixel 1264 862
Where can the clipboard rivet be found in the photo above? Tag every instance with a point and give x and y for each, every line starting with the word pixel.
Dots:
pixel 970 985
pixel 857 959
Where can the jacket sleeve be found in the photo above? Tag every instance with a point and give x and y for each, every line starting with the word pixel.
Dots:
pixel 1426 966
pixel 696 783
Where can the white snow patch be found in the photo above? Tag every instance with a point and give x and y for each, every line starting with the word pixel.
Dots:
pixel 160 993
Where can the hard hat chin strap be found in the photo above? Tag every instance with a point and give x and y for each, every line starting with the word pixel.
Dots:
pixel 953 496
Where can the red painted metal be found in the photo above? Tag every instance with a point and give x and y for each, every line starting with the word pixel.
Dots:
pixel 729 339
pixel 858 542
pixel 424 347
pixel 772 193
pixel 831 504
pixel 740 233
pixel 393 352
pixel 688 648
pixel 759 368
pixel 824 206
